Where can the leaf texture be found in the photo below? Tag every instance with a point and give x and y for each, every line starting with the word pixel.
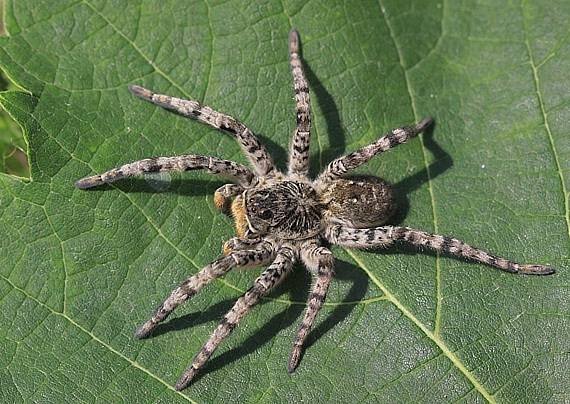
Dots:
pixel 79 270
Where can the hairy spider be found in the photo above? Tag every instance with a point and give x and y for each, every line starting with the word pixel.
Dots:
pixel 282 218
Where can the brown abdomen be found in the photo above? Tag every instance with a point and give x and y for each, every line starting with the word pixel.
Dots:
pixel 360 201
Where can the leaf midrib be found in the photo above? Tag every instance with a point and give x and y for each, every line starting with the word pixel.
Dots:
pixel 534 67
pixel 435 335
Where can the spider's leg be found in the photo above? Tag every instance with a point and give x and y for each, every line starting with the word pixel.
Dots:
pixel 240 243
pixel 342 165
pixel 187 289
pixel 378 236
pixel 262 285
pixel 222 197
pixel 229 169
pixel 249 143
pixel 318 260
pixel 299 153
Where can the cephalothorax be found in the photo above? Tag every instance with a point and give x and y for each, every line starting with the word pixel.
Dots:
pixel 290 210
pixel 282 218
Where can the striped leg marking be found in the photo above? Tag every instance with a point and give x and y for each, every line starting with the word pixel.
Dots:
pixel 299 151
pixel 320 261
pixel 250 144
pixel 458 248
pixel 187 289
pixel 261 286
pixel 342 165
pixel 378 236
pixel 188 162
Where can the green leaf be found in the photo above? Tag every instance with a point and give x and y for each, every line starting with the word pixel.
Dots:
pixel 80 270
pixel 13 147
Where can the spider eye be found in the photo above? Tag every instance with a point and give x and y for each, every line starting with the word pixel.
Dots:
pixel 265 214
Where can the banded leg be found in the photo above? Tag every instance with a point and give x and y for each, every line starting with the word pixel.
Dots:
pixel 342 165
pixel 229 169
pixel 250 144
pixel 187 289
pixel 241 243
pixel 319 260
pixel 369 238
pixel 299 153
pixel 222 197
pixel 261 286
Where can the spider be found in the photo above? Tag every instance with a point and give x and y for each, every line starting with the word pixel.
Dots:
pixel 283 218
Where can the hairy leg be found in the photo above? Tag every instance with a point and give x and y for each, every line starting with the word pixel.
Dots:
pixel 378 236
pixel 319 260
pixel 342 165
pixel 229 169
pixel 299 151
pixel 187 289
pixel 261 286
pixel 250 144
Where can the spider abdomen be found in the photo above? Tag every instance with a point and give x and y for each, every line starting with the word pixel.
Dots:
pixel 359 201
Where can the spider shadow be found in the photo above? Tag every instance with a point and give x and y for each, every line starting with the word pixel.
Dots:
pixel 337 142
pixel 334 128
pixel 297 286
pixel 292 314
pixel 442 163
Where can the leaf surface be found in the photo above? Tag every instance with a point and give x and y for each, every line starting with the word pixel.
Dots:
pixel 79 270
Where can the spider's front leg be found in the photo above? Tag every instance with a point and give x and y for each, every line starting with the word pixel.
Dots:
pixel 299 150
pixel 319 260
pixel 258 256
pixel 249 143
pixel 262 285
pixel 229 169
pixel 380 236
pixel 222 197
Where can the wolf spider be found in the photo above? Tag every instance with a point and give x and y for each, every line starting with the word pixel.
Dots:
pixel 282 218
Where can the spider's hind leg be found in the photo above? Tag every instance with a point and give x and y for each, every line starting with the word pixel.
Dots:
pixel 342 165
pixel 453 246
pixel 385 235
pixel 261 286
